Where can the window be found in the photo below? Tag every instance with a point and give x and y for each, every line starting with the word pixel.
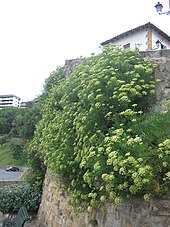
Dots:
pixel 126 46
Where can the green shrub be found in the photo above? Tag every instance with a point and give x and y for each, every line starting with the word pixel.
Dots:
pixel 153 127
pixel 12 197
pixel 86 132
pixel 17 151
pixel 36 173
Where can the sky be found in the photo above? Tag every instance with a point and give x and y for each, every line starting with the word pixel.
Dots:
pixel 37 36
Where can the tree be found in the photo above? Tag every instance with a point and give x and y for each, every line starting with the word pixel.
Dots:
pixel 20 122
pixel 30 118
pixel 7 115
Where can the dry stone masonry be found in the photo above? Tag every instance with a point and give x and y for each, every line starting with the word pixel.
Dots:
pixel 162 73
pixel 55 211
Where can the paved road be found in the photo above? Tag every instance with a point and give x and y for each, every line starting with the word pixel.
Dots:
pixel 11 176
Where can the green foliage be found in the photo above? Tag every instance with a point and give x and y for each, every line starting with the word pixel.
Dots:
pixel 37 170
pixel 30 118
pixel 17 151
pixel 86 132
pixel 20 122
pixel 6 157
pixel 16 147
pixel 3 139
pixel 7 115
pixel 52 81
pixel 19 126
pixel 150 126
pixel 35 175
pixel 12 197
pixel 93 222
pixel 24 123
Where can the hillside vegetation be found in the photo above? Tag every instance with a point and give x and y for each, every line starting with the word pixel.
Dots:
pixel 6 157
pixel 16 130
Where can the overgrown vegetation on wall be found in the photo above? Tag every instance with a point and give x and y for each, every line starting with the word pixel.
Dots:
pixel 37 171
pixel 96 132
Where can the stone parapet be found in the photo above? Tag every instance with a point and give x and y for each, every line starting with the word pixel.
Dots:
pixel 156 53
pixel 70 66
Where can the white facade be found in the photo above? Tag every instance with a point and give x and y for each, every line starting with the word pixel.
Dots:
pixel 9 100
pixel 145 37
pixel 136 39
pixel 155 37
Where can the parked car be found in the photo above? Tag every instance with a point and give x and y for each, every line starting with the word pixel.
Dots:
pixel 12 168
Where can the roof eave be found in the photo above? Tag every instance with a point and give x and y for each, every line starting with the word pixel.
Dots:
pixel 148 25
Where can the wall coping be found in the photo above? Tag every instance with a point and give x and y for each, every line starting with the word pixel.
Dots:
pixel 156 53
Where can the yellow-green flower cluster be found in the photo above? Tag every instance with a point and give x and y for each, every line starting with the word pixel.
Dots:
pixel 86 134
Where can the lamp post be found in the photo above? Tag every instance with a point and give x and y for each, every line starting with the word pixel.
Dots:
pixel 159 8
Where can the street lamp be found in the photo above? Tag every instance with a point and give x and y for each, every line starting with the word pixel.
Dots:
pixel 159 7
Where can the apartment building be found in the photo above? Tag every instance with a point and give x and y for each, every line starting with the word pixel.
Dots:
pixel 9 100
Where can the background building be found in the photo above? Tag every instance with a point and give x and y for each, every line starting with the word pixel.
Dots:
pixel 147 36
pixel 9 100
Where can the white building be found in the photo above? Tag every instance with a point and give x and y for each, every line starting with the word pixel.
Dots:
pixel 147 36
pixel 9 100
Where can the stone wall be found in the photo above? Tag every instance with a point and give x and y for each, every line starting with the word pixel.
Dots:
pixel 70 65
pixel 55 210
pixel 162 73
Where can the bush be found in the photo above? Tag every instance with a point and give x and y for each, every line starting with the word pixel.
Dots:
pixel 149 126
pixel 86 133
pixel 36 173
pixel 12 197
